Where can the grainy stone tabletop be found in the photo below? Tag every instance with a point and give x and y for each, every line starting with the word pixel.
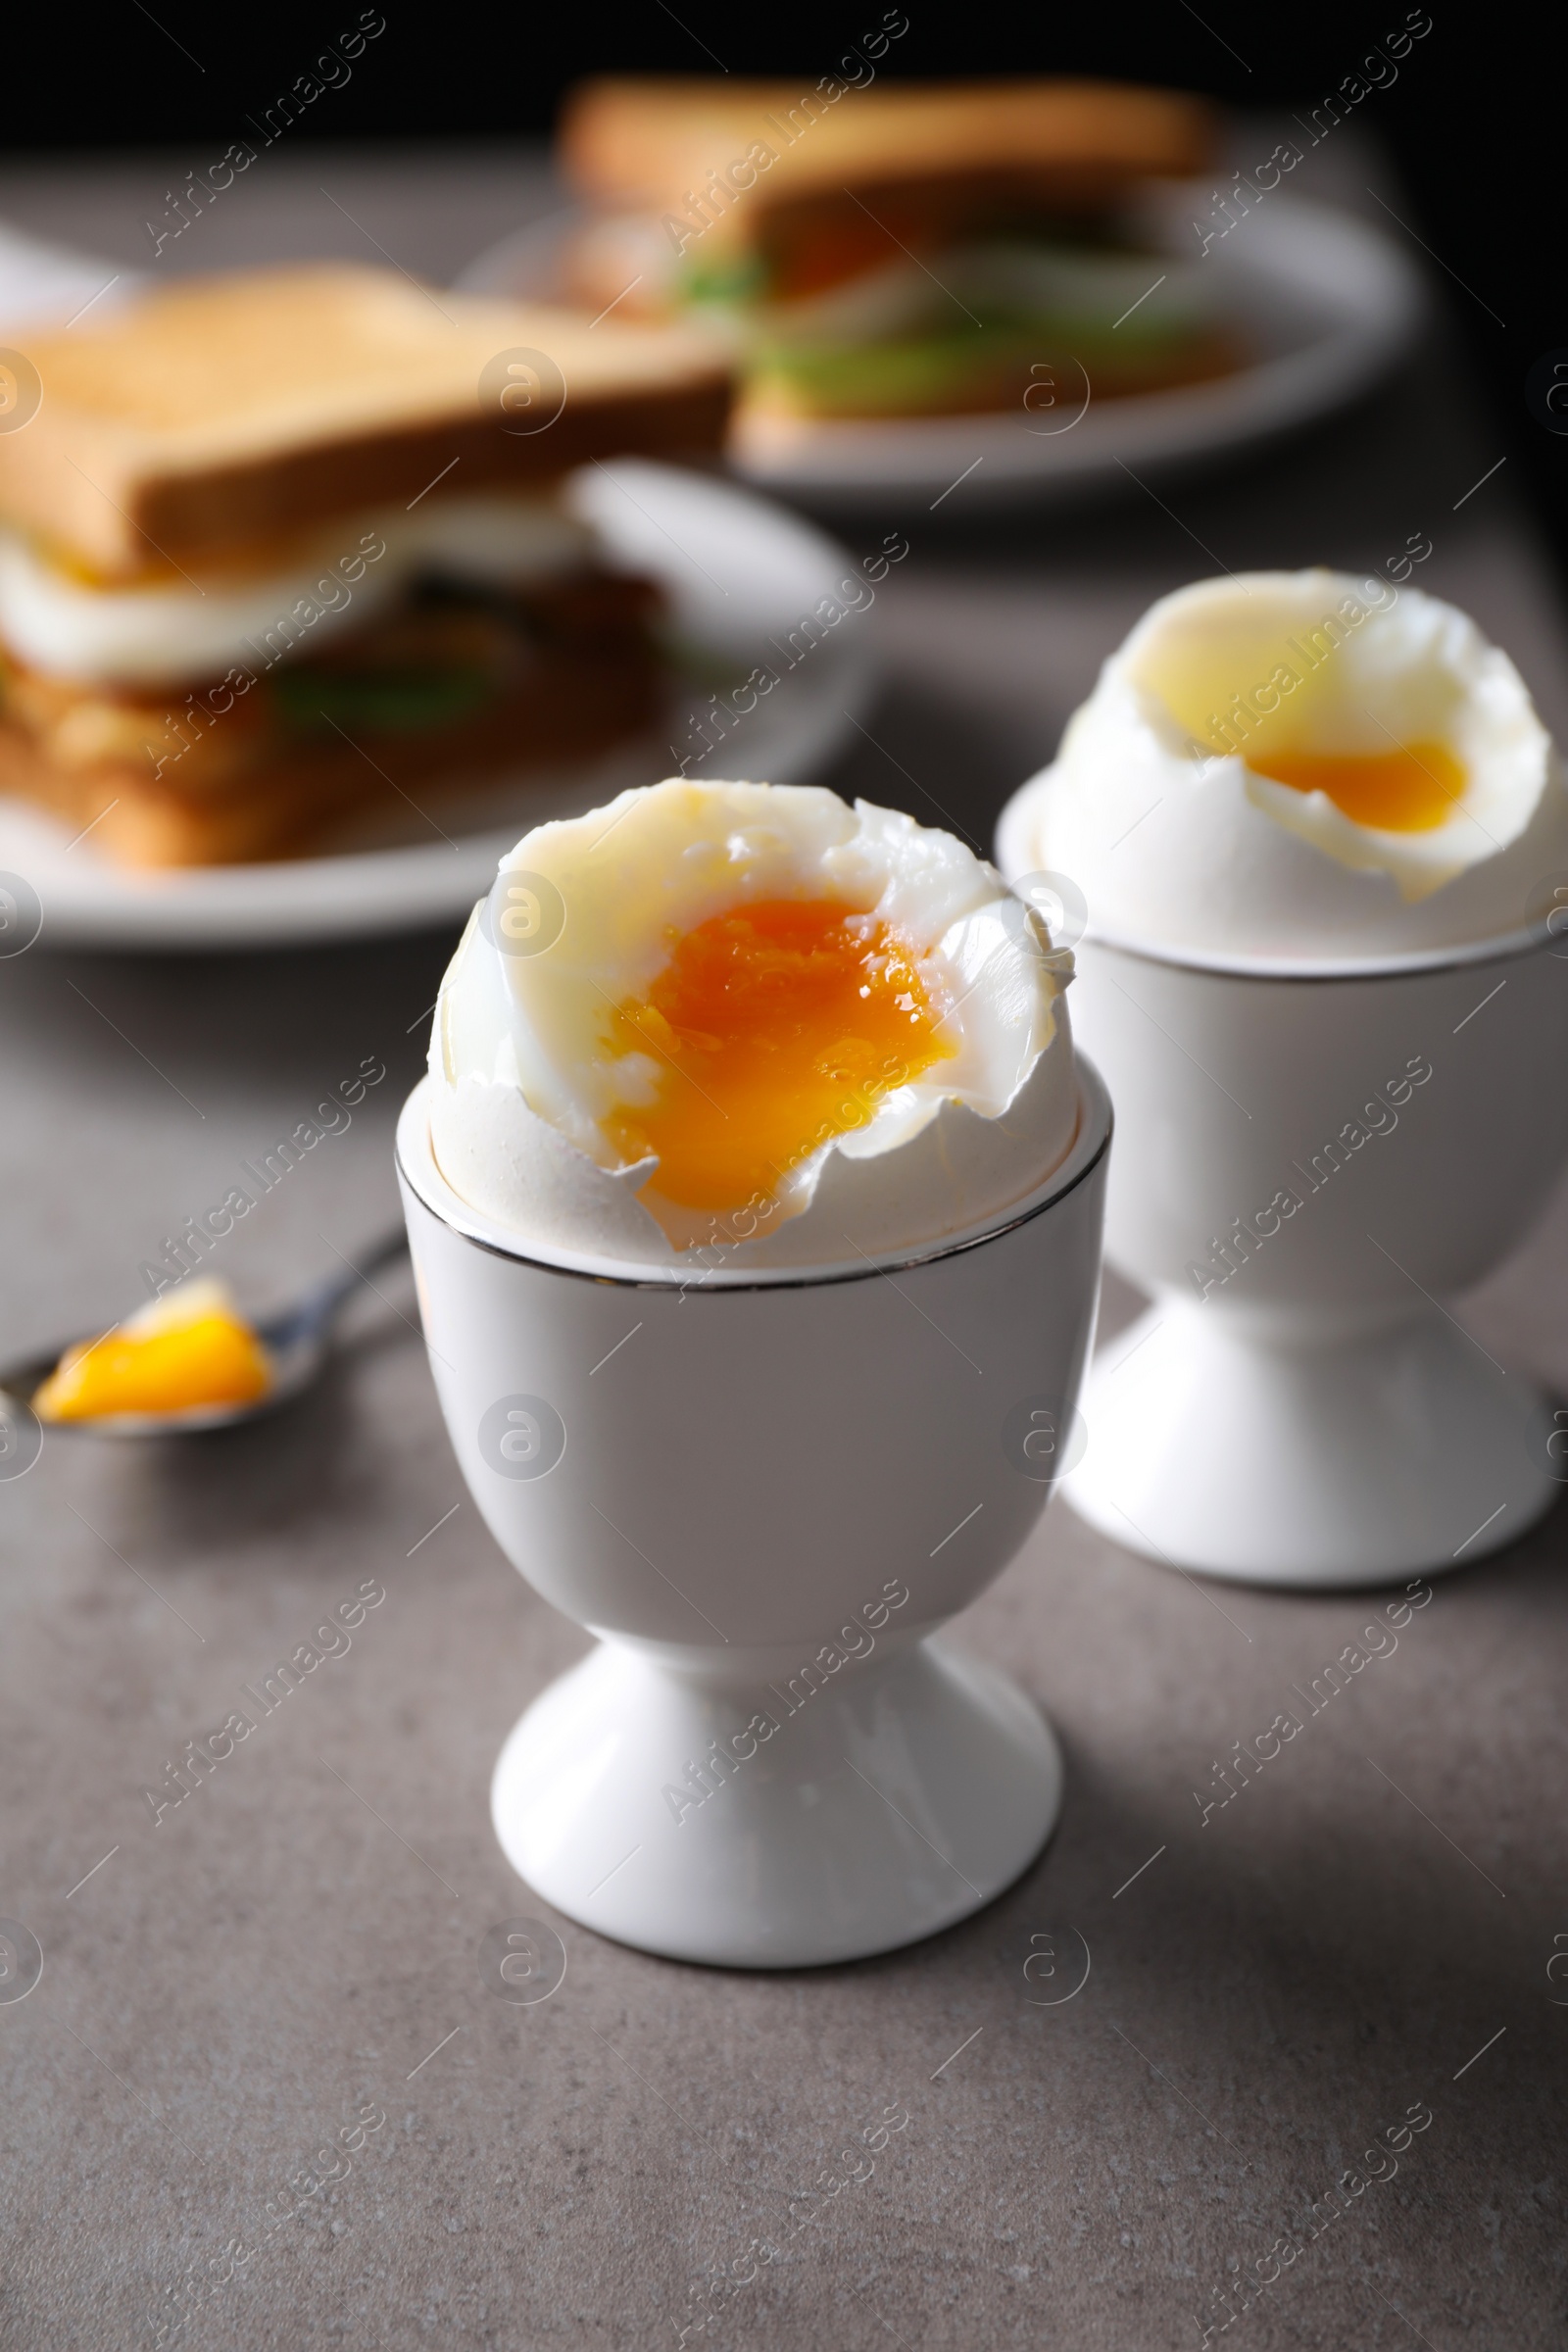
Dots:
pixel 1366 1930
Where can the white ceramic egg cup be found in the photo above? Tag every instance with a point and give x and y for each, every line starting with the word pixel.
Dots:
pixel 1296 1406
pixel 765 1491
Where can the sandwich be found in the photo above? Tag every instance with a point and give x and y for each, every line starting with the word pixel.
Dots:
pixel 913 250
pixel 282 554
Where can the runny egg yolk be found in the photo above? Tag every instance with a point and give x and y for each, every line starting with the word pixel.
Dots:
pixel 169 1366
pixel 1411 790
pixel 780 1026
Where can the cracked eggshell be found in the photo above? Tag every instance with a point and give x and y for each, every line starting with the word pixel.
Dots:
pixel 1176 846
pixel 523 1075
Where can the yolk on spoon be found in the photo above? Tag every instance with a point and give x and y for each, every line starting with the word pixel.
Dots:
pixel 781 1025
pixel 1410 790
pixel 190 1351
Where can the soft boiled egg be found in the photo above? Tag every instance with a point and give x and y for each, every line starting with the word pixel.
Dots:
pixel 752 1015
pixel 1300 763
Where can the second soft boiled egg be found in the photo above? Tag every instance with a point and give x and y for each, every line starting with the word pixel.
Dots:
pixel 750 1015
pixel 1301 765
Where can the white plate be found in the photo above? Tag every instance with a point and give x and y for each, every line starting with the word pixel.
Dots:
pixel 1326 300
pixel 740 576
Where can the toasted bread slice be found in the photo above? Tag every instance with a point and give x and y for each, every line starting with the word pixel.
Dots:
pixel 644 143
pixel 226 411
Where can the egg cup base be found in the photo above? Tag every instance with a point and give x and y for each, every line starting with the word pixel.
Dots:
pixel 1347 1462
pixel 765 1492
pixel 880 1809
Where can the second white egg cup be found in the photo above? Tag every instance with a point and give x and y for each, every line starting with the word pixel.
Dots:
pixel 767 1492
pixel 1309 1160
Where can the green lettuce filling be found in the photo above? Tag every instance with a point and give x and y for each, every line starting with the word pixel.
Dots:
pixel 916 371
pixel 726 280
pixel 405 703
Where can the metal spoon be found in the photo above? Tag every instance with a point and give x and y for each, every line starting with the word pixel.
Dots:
pixel 296 1343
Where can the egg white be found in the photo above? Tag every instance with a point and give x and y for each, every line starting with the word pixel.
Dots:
pixel 1173 838
pixel 173 632
pixel 527 1073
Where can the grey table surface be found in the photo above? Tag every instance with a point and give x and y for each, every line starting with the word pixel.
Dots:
pixel 225 1987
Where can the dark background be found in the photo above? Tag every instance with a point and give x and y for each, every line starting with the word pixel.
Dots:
pixel 1475 119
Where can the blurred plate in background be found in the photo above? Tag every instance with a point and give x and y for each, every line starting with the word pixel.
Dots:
pixel 742 579
pixel 1324 301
